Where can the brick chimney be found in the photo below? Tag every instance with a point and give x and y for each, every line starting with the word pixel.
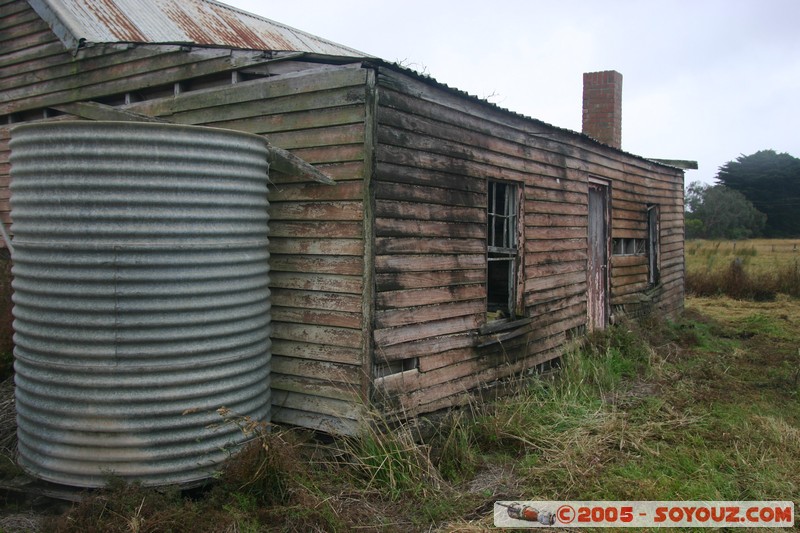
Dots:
pixel 602 107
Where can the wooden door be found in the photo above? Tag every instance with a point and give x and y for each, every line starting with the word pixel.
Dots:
pixel 597 289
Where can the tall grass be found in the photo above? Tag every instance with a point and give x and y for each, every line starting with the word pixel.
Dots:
pixel 557 429
pixel 554 431
pixel 737 282
pixel 566 430
pixel 387 456
pixel 757 269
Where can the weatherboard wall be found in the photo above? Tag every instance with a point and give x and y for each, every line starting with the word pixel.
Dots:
pixel 435 151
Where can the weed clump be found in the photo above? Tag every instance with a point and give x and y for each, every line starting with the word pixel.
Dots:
pixel 787 279
pixel 124 507
pixel 264 468
pixel 269 481
pixel 389 459
pixel 455 453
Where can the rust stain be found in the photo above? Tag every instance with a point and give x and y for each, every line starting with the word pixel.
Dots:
pixel 115 20
pixel 198 21
pixel 214 25
pixel 241 35
pixel 198 33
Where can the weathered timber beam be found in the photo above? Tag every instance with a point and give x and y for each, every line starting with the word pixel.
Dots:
pixel 96 111
pixel 278 158
pixel 495 327
pixel 288 163
pixel 502 337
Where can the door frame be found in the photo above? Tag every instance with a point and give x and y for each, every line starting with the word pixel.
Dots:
pixel 598 276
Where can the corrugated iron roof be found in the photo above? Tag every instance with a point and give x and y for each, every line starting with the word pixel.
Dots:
pixel 198 22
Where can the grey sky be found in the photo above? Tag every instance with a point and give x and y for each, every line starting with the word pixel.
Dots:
pixel 706 80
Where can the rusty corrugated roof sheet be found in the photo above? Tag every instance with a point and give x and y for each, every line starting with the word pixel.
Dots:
pixel 199 22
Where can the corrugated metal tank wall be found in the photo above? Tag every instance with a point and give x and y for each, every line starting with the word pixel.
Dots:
pixel 141 298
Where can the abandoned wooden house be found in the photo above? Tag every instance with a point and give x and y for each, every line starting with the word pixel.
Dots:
pixel 460 244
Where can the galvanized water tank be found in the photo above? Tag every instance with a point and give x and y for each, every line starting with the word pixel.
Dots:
pixel 140 298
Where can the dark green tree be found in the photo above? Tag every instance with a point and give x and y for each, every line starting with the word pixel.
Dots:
pixel 717 212
pixel 771 181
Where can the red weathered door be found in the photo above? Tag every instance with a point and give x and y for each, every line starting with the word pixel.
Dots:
pixel 597 290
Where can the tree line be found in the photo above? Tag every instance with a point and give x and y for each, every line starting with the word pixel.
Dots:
pixel 757 195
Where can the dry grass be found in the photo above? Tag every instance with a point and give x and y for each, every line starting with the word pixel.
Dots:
pixel 8 419
pixel 745 270
pixel 729 310
pixel 759 255
pixel 391 461
pixel 27 522
pixel 736 281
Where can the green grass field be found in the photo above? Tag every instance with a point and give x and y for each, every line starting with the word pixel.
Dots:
pixel 759 255
pixel 745 270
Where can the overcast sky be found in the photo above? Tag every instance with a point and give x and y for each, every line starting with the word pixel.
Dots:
pixel 705 80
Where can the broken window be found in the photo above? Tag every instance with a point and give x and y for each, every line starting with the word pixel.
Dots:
pixel 503 249
pixel 628 247
pixel 653 230
pixel 648 247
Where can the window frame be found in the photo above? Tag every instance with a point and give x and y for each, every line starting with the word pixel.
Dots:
pixel 504 243
pixel 653 244
pixel 627 247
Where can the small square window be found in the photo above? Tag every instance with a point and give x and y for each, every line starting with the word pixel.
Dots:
pixel 629 247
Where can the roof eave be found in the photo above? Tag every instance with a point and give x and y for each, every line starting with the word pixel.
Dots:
pixel 377 62
pixel 61 22
pixel 683 164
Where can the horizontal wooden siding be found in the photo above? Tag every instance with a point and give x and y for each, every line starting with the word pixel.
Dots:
pixel 436 150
